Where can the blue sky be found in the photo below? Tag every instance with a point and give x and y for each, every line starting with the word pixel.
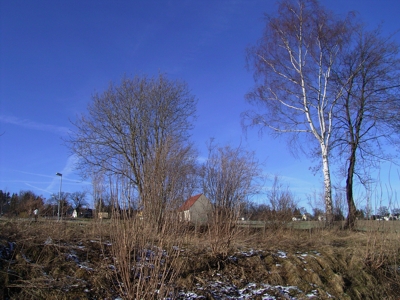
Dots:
pixel 55 54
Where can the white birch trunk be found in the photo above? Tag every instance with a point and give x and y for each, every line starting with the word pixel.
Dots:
pixel 327 183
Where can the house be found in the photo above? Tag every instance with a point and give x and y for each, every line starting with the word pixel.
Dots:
pixel 196 209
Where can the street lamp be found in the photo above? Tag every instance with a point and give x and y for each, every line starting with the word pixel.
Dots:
pixel 59 196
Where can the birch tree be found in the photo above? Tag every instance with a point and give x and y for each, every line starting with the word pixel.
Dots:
pixel 292 65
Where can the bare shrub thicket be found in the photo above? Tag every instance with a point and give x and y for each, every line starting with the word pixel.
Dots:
pixel 229 178
pixel 283 203
pixel 381 252
pixel 146 257
pixel 146 261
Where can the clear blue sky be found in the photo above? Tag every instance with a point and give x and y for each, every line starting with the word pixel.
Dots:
pixel 55 54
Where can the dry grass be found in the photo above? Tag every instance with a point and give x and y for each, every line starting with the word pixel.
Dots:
pixel 93 259
pixel 146 260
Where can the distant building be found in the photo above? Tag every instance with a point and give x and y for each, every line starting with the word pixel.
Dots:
pixel 103 215
pixel 196 209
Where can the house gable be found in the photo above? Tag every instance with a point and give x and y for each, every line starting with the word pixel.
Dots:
pixel 189 203
pixel 195 209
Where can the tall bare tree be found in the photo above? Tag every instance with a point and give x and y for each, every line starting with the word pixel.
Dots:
pixel 368 112
pixel 134 130
pixel 167 177
pixel 78 199
pixel 229 176
pixel 283 202
pixel 293 64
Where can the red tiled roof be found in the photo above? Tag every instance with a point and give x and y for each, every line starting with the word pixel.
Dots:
pixel 189 202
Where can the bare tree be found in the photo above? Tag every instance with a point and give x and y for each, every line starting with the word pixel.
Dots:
pixel 132 131
pixel 339 205
pixel 283 203
pixel 368 112
pixel 167 178
pixel 383 211
pixel 98 191
pixel 315 200
pixel 78 199
pixel 293 64
pixel 229 178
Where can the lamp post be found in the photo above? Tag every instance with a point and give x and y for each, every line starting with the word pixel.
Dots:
pixel 59 196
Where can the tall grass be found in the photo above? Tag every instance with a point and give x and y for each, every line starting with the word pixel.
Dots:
pixel 222 232
pixel 146 260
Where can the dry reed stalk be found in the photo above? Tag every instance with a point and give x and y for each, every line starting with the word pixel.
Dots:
pixel 222 232
pixel 146 261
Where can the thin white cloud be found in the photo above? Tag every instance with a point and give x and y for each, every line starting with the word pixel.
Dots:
pixel 70 165
pixel 35 174
pixel 33 125
pixel 69 169
pixel 38 188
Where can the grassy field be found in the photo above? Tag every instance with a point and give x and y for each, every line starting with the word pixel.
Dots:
pixel 92 259
pixel 361 225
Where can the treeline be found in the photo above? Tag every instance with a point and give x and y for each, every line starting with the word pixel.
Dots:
pixel 23 204
pixel 279 205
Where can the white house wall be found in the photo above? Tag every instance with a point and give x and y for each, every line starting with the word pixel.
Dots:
pixel 200 210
